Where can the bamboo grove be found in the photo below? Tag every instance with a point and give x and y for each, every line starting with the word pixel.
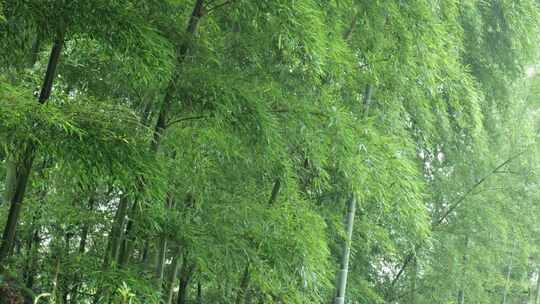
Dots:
pixel 271 151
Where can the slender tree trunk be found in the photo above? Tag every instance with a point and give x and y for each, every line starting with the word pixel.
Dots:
pixel 160 265
pixel 115 240
pixel 85 228
pixel 508 273
pixel 33 248
pixel 78 280
pixel 18 173
pixel 18 246
pixel 275 191
pixel 30 240
pixel 162 249
pixel 185 278
pixel 55 293
pixel 164 112
pixel 65 278
pixel 33 241
pixel 50 74
pixel 244 285
pixel 461 296
pixel 19 167
pixel 128 237
pixel 527 281
pixel 367 99
pixel 116 232
pixel 341 278
pixel 341 281
pixel 348 33
pixel 183 290
pixel 461 291
pixel 168 296
pixel 145 252
pixel 199 292
pixel 537 294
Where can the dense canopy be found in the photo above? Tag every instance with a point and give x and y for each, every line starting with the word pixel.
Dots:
pixel 272 151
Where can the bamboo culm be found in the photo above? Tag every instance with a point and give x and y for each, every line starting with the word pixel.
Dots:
pixel 341 280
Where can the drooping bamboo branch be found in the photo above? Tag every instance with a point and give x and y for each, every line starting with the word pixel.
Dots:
pixel 172 122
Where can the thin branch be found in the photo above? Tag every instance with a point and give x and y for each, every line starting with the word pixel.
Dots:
pixel 471 189
pixel 172 122
pixel 348 33
pixel 182 119
pixel 455 205
pixel 408 259
pixel 288 111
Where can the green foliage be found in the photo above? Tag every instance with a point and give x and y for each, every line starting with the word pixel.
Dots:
pixel 73 129
pixel 208 155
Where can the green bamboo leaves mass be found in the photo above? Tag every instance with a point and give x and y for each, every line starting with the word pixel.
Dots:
pixel 277 151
